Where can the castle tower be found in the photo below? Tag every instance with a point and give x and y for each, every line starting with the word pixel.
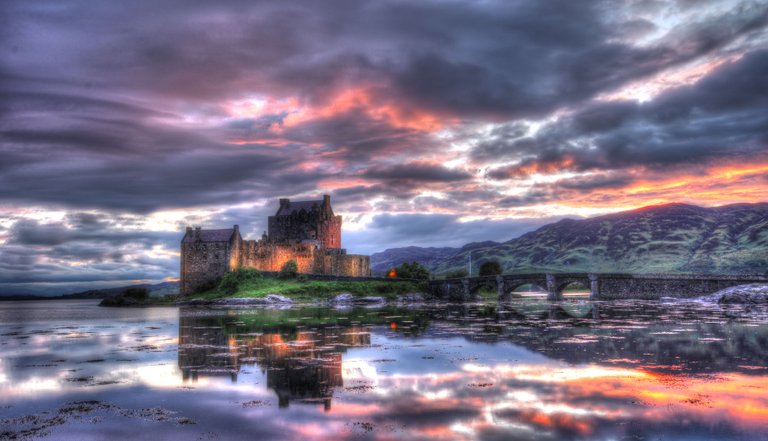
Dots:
pixel 303 221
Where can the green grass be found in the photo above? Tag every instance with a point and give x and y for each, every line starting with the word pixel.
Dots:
pixel 487 293
pixel 308 290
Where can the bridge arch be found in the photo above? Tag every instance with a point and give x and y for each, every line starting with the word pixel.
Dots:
pixel 510 284
pixel 564 283
pixel 512 287
pixel 474 288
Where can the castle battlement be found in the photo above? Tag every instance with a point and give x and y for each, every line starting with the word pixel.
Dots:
pixel 305 231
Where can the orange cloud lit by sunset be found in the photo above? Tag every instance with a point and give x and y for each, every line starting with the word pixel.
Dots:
pixel 358 99
pixel 718 185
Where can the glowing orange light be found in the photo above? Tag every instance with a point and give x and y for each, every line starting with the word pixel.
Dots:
pixel 393 326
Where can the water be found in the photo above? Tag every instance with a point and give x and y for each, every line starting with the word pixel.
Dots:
pixel 526 370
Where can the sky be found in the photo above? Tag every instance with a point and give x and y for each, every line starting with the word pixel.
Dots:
pixel 430 123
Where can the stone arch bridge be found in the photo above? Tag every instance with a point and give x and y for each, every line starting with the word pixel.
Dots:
pixel 602 286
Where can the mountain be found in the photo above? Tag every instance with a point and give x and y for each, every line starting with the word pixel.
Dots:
pixel 156 290
pixel 382 262
pixel 731 239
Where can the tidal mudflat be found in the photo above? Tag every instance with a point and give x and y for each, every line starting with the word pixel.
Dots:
pixel 524 370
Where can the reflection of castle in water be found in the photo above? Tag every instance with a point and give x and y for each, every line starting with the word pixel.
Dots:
pixel 302 358
pixel 300 364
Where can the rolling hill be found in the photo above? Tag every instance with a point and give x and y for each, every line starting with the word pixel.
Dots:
pixel 673 238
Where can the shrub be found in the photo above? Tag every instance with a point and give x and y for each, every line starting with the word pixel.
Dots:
pixel 289 270
pixel 208 285
pixel 231 281
pixel 412 270
pixel 490 268
pixel 136 293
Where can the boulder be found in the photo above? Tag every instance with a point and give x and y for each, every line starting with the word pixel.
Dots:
pixel 413 297
pixel 271 299
pixel 369 300
pixel 194 302
pixel 241 301
pixel 277 298
pixel 343 298
pixel 746 294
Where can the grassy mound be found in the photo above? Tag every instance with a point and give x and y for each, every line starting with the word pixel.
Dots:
pixel 251 283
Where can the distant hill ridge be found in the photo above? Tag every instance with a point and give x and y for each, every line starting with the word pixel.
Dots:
pixel 156 290
pixel 671 238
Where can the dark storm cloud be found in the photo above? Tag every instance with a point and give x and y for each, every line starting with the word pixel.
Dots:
pixel 146 184
pixel 126 108
pixel 354 137
pixel 720 117
pixel 531 197
pixel 589 183
pixel 51 258
pixel 416 172
pixel 511 77
pixel 88 120
pixel 33 233
pixel 464 58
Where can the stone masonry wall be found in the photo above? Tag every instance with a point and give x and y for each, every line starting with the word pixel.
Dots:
pixel 266 256
pixel 649 288
pixel 202 263
pixel 306 226
pixel 346 265
pixel 329 232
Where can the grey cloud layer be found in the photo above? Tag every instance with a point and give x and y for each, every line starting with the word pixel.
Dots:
pixel 94 94
pixel 51 258
pixel 120 107
pixel 721 117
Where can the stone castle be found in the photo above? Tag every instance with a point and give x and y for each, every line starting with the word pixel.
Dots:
pixel 307 232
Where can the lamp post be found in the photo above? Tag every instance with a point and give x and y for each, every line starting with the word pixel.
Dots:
pixel 470 264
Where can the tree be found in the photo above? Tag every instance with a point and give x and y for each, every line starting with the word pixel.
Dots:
pixel 289 270
pixel 457 274
pixel 136 293
pixel 490 268
pixel 412 270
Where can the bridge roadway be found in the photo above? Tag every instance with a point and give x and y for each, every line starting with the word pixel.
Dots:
pixel 602 286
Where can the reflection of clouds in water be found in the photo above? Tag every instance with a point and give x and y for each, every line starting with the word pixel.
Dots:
pixel 570 401
pixel 61 359
pixel 443 384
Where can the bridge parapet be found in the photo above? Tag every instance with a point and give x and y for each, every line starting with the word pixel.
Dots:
pixel 602 286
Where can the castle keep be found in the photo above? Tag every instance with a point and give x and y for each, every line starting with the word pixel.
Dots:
pixel 305 231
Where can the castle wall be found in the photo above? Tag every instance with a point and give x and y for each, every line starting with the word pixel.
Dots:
pixel 202 263
pixel 266 256
pixel 306 226
pixel 307 232
pixel 352 265
pixel 329 232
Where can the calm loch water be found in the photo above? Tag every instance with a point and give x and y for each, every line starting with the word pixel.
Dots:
pixel 527 370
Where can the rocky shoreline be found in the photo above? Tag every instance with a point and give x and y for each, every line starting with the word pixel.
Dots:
pixel 274 300
pixel 743 294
